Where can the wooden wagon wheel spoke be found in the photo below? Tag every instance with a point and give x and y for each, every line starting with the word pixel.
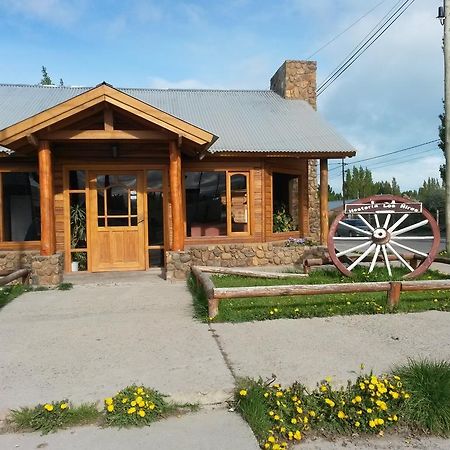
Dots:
pixel 386 260
pixel 399 257
pixel 381 224
pixel 350 250
pixel 375 258
pixel 370 227
pixel 410 249
pixel 398 223
pixel 411 227
pixel 358 230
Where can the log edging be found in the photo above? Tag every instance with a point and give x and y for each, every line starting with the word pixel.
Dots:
pixel 393 289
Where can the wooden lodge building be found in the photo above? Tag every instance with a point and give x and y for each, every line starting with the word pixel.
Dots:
pixel 127 179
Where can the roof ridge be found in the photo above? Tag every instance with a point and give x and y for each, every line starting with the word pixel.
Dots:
pixel 52 86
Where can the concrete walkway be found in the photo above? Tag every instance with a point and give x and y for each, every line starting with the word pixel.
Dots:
pixel 89 342
pixel 111 331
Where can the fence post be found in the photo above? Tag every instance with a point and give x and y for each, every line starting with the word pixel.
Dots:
pixel 393 295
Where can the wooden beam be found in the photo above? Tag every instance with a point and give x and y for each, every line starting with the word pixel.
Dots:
pixel 324 201
pixel 48 235
pixel 176 196
pixel 33 140
pixel 80 135
pixel 108 118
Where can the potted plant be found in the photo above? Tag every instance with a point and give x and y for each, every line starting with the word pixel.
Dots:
pixel 78 235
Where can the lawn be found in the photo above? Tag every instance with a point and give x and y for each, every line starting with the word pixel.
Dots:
pixel 266 308
pixel 8 293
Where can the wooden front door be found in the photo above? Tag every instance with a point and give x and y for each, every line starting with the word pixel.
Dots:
pixel 117 220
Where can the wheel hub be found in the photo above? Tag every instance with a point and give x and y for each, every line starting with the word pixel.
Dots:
pixel 380 236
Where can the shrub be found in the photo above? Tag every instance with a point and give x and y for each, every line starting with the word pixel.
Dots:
pixel 429 384
pixel 135 406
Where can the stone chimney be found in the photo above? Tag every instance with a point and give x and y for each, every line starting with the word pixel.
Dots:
pixel 296 80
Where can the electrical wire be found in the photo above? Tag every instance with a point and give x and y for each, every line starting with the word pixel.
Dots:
pixel 347 29
pixel 362 48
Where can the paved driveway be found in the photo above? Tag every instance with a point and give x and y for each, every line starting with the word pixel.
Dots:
pixel 88 342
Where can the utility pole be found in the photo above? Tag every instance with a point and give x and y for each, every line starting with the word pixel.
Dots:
pixel 343 185
pixel 444 16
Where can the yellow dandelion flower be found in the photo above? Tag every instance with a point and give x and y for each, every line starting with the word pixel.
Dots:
pixel 395 417
pixel 276 447
pixel 141 412
pixel 329 402
pixel 380 421
pixel 371 386
pixel 131 410
pixel 64 405
pixel 312 413
pixel 133 403
pixel 394 394
pixel 140 390
pixel 108 401
pixel 294 398
pixel 271 439
pixel 341 415
pixel 139 399
pixel 305 419
pixel 271 413
pixel 323 388
pixel 110 408
pixel 276 417
pixel 297 435
pixel 141 404
pixel 357 424
pixel 372 424
pixel 124 400
pixel 299 410
pixel 362 386
pixel 266 394
pixel 283 429
pixel 279 394
pixel 266 445
pixel 48 407
pixel 369 410
pixel 406 395
pixel 243 392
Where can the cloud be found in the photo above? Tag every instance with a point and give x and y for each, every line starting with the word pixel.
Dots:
pixel 56 12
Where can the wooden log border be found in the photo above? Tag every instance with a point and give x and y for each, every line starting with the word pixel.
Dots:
pixel 393 289
pixel 14 275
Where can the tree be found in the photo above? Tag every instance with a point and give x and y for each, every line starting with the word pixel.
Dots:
pixel 432 195
pixel 46 80
pixel 333 195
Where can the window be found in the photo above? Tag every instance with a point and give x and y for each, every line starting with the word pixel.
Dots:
pixel 217 203
pixel 21 211
pixel 78 223
pixel 155 218
pixel 285 193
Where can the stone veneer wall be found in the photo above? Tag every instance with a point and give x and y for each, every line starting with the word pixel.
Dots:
pixel 178 264
pixel 296 80
pixel 45 270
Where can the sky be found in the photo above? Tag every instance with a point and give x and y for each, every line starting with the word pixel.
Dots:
pixel 388 100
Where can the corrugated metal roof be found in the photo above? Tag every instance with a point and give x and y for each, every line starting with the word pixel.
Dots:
pixel 245 121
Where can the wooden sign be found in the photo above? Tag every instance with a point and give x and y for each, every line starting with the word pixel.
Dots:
pixel 391 207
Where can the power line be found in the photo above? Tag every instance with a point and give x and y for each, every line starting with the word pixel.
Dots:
pixel 363 42
pixel 351 163
pixel 393 152
pixel 362 48
pixel 344 31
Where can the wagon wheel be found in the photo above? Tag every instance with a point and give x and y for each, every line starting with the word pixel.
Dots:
pixel 380 235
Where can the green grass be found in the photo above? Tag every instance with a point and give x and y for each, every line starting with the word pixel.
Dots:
pixel 65 286
pixel 428 382
pixel 9 293
pixel 38 419
pixel 264 308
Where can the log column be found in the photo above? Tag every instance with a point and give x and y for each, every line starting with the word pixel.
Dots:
pixel 176 196
pixel 323 201
pixel 48 235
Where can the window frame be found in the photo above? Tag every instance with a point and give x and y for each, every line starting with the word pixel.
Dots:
pixel 228 173
pixel 298 174
pixel 15 245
